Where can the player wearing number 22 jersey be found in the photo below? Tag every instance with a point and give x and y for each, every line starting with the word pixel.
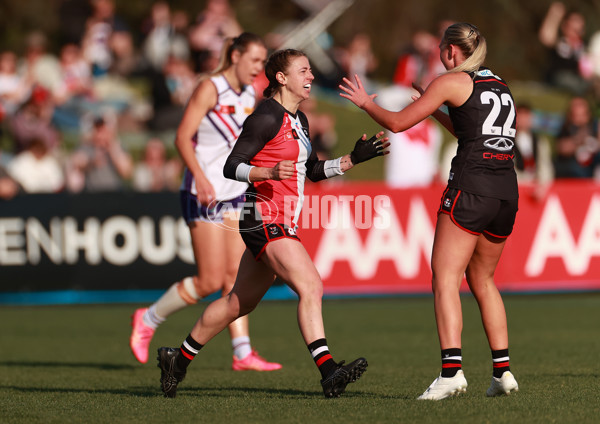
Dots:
pixel 479 206
pixel 485 128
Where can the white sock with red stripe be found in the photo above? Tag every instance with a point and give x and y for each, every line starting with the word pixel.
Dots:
pixel 451 362
pixel 500 360
pixel 320 354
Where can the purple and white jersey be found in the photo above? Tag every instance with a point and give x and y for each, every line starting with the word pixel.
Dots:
pixel 217 134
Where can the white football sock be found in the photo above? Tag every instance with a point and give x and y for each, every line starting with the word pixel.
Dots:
pixel 151 318
pixel 241 347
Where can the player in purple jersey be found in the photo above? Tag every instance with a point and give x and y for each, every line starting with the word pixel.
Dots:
pixel 479 205
pixel 208 131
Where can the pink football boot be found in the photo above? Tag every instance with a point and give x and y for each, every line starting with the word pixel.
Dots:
pixel 254 362
pixel 140 336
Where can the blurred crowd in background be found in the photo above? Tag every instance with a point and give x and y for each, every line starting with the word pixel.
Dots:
pixel 63 115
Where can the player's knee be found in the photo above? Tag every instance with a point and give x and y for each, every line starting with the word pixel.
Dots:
pixel 311 290
pixel 237 307
pixel 228 281
pixel 445 283
pixel 479 276
pixel 207 285
pixel 186 289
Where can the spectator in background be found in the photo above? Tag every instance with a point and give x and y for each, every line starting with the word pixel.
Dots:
pixel 155 172
pixel 180 22
pixel 14 89
pixel 96 40
pixel 126 61
pixel 36 169
pixel 100 164
pixel 414 154
pixel 34 120
pixel 113 89
pixel 180 79
pixel 562 34
pixel 73 96
pixel 533 161
pixel 420 63
pixel 170 93
pixel 577 144
pixel 358 58
pixel 165 36
pixel 215 23
pixel 108 46
pixel 38 66
pixel 76 75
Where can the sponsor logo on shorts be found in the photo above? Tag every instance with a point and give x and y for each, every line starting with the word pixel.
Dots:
pixel 447 202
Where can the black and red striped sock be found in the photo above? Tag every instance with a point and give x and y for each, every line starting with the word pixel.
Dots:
pixel 320 354
pixel 500 361
pixel 189 349
pixel 451 362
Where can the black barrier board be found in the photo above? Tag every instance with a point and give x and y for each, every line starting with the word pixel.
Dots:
pixel 111 241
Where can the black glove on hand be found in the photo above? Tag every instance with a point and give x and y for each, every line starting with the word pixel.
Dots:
pixel 366 149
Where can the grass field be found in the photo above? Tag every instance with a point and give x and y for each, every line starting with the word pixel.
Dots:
pixel 72 365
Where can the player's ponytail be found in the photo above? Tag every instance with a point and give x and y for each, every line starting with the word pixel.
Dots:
pixel 240 44
pixel 469 40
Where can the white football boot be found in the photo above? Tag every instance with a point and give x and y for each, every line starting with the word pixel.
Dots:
pixel 443 387
pixel 503 385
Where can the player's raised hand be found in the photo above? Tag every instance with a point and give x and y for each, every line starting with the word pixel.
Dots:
pixel 356 92
pixel 368 149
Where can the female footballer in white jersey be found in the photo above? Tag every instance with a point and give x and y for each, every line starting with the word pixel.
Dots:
pixel 209 129
pixel 478 208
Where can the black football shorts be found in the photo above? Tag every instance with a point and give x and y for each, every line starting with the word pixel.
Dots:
pixel 257 234
pixel 479 214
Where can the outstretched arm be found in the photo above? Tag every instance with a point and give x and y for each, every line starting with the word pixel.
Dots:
pixel 446 89
pixel 364 150
pixel 442 117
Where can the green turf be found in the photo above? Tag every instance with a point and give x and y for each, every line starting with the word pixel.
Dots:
pixel 72 364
